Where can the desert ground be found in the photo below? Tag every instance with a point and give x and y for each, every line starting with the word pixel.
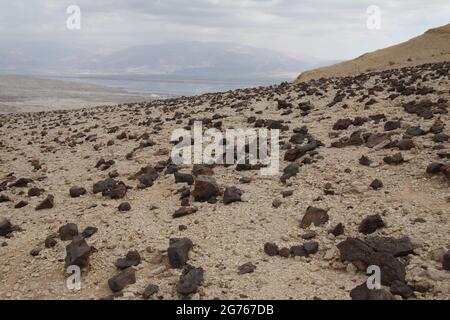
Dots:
pixel 33 94
pixel 364 180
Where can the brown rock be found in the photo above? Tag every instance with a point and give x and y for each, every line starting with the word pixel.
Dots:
pixel 5 227
pixel 132 258
pixel 149 291
pixel 246 268
pixel 205 188
pixel 271 249
pixel 76 192
pixel 184 211
pixel 123 279
pixel 77 253
pixel 314 216
pixel 371 224
pixel 48 203
pixel 190 280
pixel 361 292
pixel 178 252
pixel 68 231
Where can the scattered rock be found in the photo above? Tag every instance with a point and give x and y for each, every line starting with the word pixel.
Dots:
pixel 298 251
pixel 365 161
pixel 376 184
pixel 48 203
pixel 271 249
pixel 21 204
pixel 246 268
pixel 68 231
pixel 123 279
pixel 415 131
pixel 35 192
pixel 342 124
pixel 284 252
pixel 77 253
pixel 276 203
pixel 20 183
pixel 309 235
pixel 373 140
pixel 35 252
pixel 184 211
pixel 245 180
pixel 5 227
pixel 205 188
pixel 89 232
pixel 392 125
pixel 401 289
pixel 178 252
pixel 231 194
pixel 397 247
pixel 104 185
pixel 184 178
pixel 361 292
pixel 124 207
pixel 149 291
pixel 132 259
pixel 405 144
pixel 202 170
pixel 434 168
pixel 311 247
pixel 446 171
pixel 76 192
pixel 298 152
pixel 338 230
pixel 287 193
pixel 395 159
pixel 146 177
pixel 446 261
pixel 371 224
pixel 362 256
pixel 314 216
pixel 441 137
pixel 290 171
pixel 118 192
pixel 50 242
pixel 4 198
pixel 190 280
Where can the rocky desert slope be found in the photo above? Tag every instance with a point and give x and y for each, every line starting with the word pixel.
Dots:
pixel 431 47
pixel 364 180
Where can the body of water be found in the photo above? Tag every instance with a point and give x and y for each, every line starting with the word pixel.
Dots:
pixel 166 86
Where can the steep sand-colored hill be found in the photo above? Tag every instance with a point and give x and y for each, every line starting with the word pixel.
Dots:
pixel 432 46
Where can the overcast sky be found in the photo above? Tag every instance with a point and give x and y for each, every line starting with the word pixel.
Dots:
pixel 326 29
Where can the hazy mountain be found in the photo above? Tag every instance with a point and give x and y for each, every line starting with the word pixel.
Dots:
pixel 209 60
pixel 42 58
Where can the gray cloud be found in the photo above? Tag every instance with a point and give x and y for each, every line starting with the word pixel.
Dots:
pixel 323 28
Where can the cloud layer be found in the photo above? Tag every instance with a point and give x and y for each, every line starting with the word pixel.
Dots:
pixel 322 28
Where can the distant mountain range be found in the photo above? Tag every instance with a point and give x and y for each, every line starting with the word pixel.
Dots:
pixel 203 60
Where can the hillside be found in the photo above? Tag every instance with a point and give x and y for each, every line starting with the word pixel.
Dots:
pixel 363 180
pixel 432 46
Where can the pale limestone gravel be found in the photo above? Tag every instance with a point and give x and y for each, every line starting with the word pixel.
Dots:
pixel 224 236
